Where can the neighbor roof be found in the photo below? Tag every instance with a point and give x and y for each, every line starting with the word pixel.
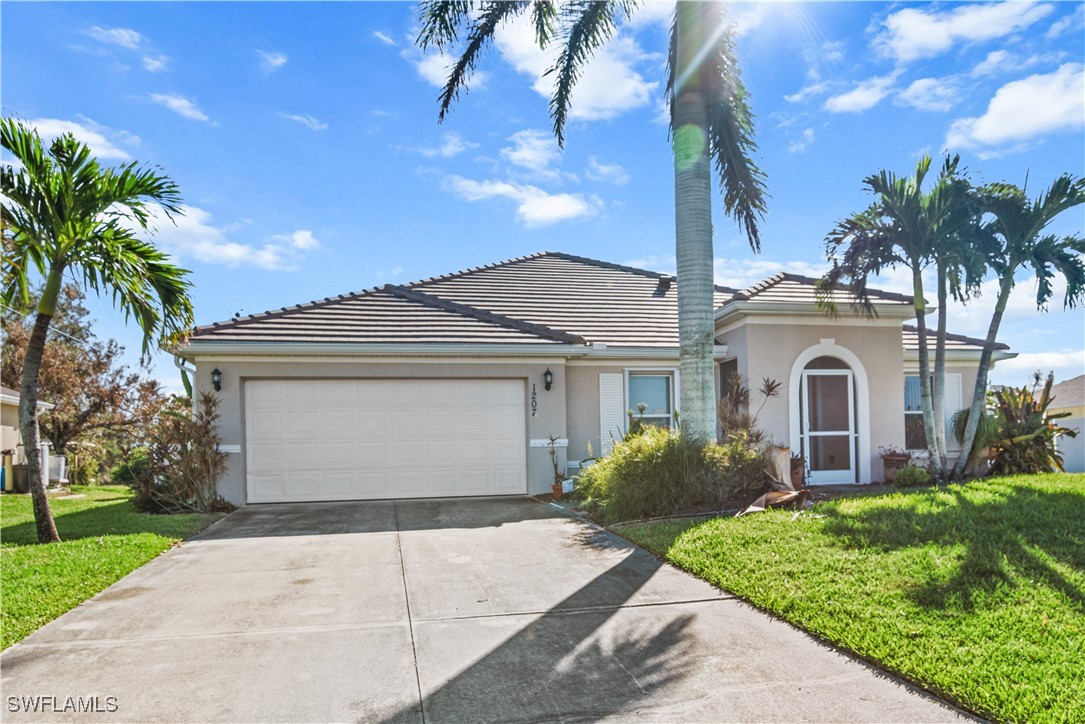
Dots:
pixel 545 298
pixel 1068 393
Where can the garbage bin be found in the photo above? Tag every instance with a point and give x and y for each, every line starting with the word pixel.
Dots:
pixel 21 479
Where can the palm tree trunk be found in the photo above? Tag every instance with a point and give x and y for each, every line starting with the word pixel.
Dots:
pixel 979 392
pixel 693 232
pixel 28 424
pixel 924 364
pixel 939 382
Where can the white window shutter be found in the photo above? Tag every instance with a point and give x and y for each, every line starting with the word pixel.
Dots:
pixel 611 410
pixel 953 404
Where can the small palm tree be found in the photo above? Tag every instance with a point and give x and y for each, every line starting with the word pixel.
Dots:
pixel 64 214
pixel 907 226
pixel 1016 227
pixel 711 123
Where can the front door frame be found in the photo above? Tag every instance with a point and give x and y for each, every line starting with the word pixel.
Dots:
pixel 829 348
pixel 829 477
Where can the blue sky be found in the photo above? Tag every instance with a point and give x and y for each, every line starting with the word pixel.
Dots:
pixel 304 137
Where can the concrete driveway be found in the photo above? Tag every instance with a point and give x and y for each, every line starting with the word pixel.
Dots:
pixel 442 611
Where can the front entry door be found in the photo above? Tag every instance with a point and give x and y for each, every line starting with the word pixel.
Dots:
pixel 829 425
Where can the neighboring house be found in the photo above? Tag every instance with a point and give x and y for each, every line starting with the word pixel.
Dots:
pixel 1069 396
pixel 440 387
pixel 10 437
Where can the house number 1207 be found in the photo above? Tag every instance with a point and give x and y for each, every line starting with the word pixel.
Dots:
pixel 534 400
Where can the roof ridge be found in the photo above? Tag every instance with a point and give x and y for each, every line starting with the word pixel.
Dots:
pixel 609 265
pixel 957 337
pixel 760 286
pixel 472 270
pixel 501 320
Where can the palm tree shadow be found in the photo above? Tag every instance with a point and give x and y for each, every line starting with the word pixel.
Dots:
pixel 573 661
pixel 1000 540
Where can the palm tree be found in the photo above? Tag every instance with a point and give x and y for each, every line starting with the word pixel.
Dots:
pixel 64 214
pixel 907 226
pixel 1016 226
pixel 711 123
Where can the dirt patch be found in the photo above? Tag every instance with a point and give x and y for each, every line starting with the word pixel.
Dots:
pixel 122 593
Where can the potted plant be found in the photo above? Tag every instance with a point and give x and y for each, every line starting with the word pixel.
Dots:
pixel 894 460
pixel 559 476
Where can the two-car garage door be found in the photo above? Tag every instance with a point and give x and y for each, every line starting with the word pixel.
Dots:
pixel 383 438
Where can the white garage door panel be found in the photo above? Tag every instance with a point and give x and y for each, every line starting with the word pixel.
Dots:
pixel 367 439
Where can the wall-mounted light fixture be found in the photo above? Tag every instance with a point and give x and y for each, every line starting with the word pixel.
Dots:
pixel 216 379
pixel 548 378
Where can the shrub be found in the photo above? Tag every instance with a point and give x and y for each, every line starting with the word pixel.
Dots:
pixel 911 476
pixel 184 463
pixel 661 472
pixel 130 470
pixel 1016 433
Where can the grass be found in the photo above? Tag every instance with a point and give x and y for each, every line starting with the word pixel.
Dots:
pixel 104 539
pixel 975 592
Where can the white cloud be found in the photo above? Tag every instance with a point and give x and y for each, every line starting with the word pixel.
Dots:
pixel 1024 109
pixel 534 207
pixel 383 37
pixel 1073 21
pixel 864 96
pixel 309 122
pixel 155 64
pixel 832 51
pixel 271 60
pixel 609 86
pixel 1017 371
pixel 930 94
pixel 180 105
pixel 124 37
pixel 195 236
pixel 454 144
pixel 812 89
pixel 435 67
pixel 1001 60
pixel 536 152
pixel 612 172
pixel 88 132
pixel 913 33
pixel 995 61
pixel 302 239
pixel 800 144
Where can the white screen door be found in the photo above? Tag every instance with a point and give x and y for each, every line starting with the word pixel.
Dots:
pixel 829 425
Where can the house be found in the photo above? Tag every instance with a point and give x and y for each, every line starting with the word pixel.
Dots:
pixel 12 439
pixel 1069 396
pixel 454 385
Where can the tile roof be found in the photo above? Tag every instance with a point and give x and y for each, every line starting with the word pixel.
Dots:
pixel 783 287
pixel 387 315
pixel 957 342
pixel 1068 393
pixel 545 298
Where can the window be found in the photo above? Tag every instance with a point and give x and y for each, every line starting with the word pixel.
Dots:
pixel 655 391
pixel 915 437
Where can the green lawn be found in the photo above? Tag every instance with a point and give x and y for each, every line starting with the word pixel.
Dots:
pixel 104 539
pixel 976 592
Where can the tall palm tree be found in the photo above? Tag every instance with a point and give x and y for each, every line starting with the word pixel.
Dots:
pixel 711 123
pixel 1016 226
pixel 907 226
pixel 64 214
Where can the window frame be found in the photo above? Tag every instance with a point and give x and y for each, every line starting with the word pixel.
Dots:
pixel 671 374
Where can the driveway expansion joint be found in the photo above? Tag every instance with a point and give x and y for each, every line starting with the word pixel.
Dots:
pixel 410 623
